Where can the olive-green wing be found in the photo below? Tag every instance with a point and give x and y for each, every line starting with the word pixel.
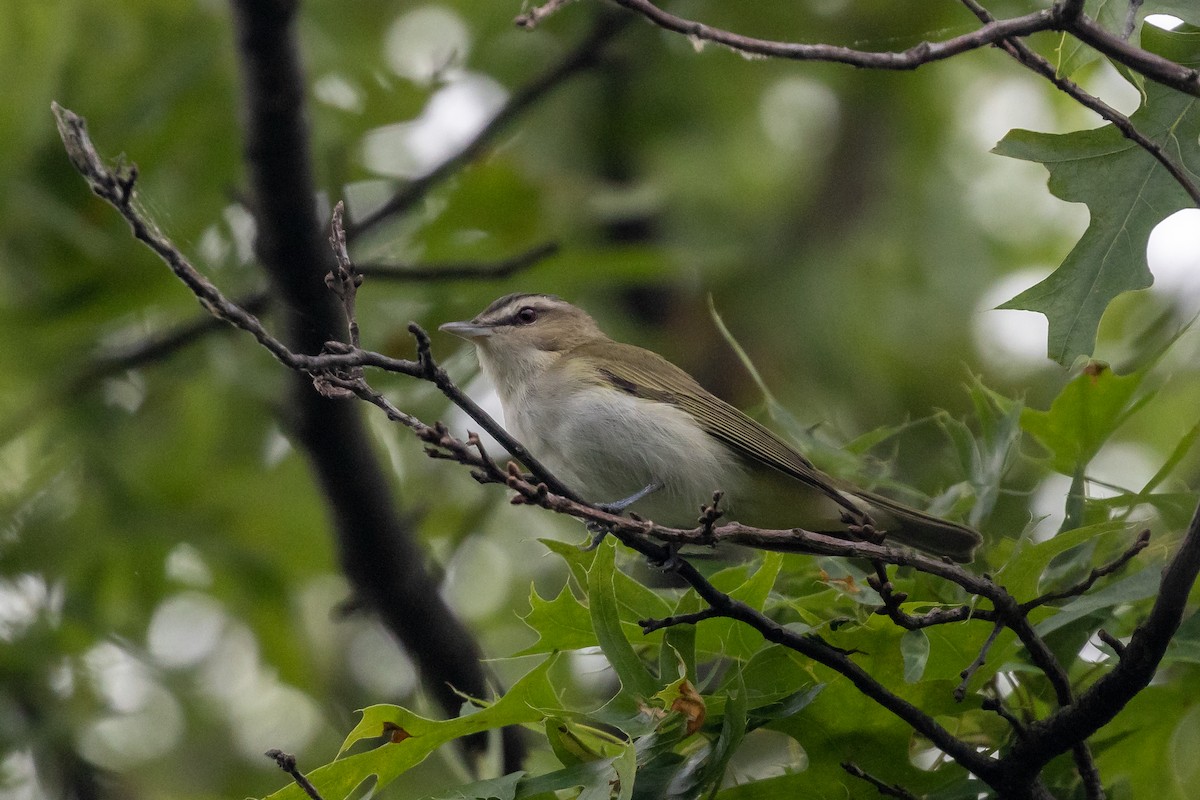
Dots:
pixel 643 373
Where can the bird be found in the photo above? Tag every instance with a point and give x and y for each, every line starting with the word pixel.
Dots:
pixel 616 421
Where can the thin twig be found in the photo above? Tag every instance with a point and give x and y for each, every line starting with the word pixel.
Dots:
pixel 287 763
pixel 1140 543
pixel 652 625
pixel 915 56
pixel 344 279
pixel 936 616
pixel 960 691
pixel 885 789
pixel 1131 19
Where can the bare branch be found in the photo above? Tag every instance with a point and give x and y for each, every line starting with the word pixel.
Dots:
pixel 1064 16
pixel 913 57
pixel 996 705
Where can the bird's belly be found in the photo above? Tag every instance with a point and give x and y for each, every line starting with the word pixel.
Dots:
pixel 608 445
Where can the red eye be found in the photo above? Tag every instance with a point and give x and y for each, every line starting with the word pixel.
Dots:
pixel 527 315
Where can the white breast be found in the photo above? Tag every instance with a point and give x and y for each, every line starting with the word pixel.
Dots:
pixel 607 445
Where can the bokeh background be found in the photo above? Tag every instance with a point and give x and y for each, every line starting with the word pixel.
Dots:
pixel 170 600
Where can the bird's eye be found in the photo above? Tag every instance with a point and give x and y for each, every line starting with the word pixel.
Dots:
pixel 527 316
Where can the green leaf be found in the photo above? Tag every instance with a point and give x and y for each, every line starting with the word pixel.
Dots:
pixel 635 677
pixel 577 741
pixel 735 639
pixel 1184 9
pixel 588 776
pixel 636 601
pixel 1137 586
pixel 1127 193
pixel 337 780
pixel 1180 450
pixel 1185 744
pixel 1083 416
pixel 502 788
pixel 626 769
pixel 914 648
pixel 1023 572
pixel 563 623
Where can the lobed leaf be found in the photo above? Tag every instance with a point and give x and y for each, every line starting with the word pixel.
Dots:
pixel 1127 193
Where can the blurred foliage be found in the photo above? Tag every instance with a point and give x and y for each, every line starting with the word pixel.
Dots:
pixel 170 605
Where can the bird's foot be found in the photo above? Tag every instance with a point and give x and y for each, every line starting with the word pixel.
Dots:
pixel 863 528
pixel 599 530
pixel 618 506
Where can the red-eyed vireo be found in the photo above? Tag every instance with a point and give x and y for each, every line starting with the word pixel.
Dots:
pixel 610 419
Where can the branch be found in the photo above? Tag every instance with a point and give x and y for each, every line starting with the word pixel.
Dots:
pixel 961 690
pixel 937 616
pixel 1064 16
pixel 377 547
pixel 915 56
pixel 583 56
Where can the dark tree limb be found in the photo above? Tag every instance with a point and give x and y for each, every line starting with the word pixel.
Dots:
pixel 378 549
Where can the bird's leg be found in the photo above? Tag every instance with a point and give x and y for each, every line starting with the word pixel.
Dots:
pixel 863 527
pixel 599 530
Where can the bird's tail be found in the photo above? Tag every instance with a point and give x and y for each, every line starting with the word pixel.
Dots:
pixel 918 529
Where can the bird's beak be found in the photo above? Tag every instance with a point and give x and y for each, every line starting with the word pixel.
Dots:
pixel 467 330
